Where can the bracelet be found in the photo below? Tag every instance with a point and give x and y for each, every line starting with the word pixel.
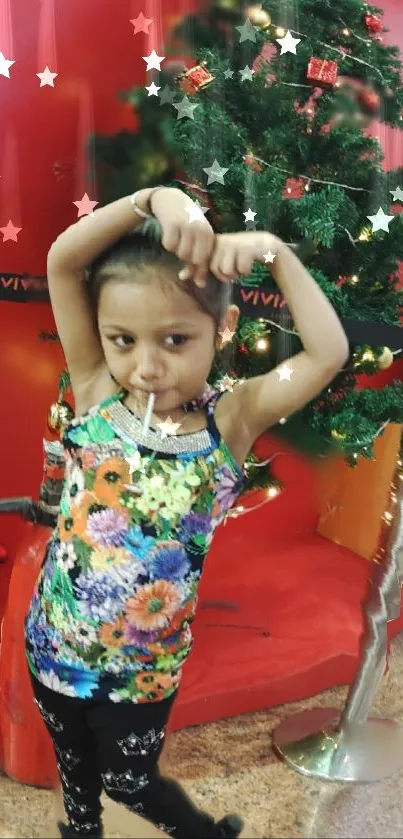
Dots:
pixel 136 209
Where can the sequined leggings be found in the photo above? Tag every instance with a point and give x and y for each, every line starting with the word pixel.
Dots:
pixel 116 747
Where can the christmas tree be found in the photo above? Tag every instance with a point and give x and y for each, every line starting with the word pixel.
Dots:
pixel 266 129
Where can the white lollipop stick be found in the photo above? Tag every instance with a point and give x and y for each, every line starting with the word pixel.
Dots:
pixel 150 407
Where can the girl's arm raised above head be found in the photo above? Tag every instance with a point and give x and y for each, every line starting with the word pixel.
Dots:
pixel 69 255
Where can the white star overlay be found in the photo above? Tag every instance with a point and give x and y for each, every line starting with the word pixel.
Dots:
pixel 269 256
pixel 250 215
pixel 285 372
pixel 168 427
pixel 246 74
pixel 196 212
pixel 380 221
pixel 215 173
pixel 185 108
pixel 247 31
pixel 153 60
pixel 153 89
pixel 288 43
pixel 397 194
pixel 5 64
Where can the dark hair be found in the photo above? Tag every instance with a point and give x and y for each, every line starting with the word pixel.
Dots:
pixel 143 247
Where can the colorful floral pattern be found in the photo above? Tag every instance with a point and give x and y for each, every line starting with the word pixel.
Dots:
pixel 111 612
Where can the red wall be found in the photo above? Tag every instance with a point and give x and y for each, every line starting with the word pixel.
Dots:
pixel 94 51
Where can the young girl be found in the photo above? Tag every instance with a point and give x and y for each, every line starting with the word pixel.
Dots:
pixel 108 630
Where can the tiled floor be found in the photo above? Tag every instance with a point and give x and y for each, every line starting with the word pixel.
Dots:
pixel 230 765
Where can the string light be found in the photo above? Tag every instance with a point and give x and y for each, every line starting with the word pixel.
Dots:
pixel 262 345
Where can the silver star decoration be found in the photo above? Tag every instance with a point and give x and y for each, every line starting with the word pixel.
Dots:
pixel 250 215
pixel 247 32
pixel 285 372
pixel 215 173
pixel 247 74
pixel 167 96
pixel 288 43
pixel 229 74
pixel 153 60
pixel 185 108
pixel 397 194
pixel 153 89
pixel 196 212
pixel 380 221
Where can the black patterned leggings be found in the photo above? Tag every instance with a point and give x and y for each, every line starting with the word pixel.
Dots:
pixel 116 747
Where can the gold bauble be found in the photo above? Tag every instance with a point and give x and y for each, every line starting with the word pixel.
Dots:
pixel 337 435
pixel 152 166
pixel 385 360
pixel 366 234
pixel 258 17
pixel 60 413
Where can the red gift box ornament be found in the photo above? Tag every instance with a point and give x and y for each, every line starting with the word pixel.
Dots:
pixel 323 72
pixel 195 79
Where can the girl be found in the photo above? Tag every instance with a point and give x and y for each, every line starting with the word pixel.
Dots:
pixel 108 629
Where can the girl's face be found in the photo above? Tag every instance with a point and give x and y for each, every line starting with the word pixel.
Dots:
pixel 156 341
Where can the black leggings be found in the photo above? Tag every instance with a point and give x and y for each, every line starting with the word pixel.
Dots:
pixel 116 747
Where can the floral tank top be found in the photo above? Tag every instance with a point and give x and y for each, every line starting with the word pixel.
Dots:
pixel 111 612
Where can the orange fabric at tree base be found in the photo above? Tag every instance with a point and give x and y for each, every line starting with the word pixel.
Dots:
pixel 353 500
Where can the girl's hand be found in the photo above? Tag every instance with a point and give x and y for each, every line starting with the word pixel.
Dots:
pixel 235 253
pixel 191 241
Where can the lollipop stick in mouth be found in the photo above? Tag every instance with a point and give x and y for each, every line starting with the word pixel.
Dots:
pixel 150 408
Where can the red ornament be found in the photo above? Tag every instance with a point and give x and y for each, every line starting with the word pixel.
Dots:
pixel 323 72
pixel 294 188
pixel 254 164
pixel 195 79
pixel 369 100
pixel 373 23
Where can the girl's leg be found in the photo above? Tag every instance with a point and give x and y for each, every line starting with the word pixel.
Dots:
pixel 130 740
pixel 76 755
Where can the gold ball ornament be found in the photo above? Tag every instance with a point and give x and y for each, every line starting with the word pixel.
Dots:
pixel 385 360
pixel 337 435
pixel 258 17
pixel 60 414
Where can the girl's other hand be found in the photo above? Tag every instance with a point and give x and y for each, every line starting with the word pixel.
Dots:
pixel 191 241
pixel 234 254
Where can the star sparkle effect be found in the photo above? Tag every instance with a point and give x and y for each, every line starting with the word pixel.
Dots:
pixel 141 24
pixel 153 60
pixel 284 372
pixel 196 212
pixel 397 194
pixel 168 427
pixel 5 65
pixel 247 32
pixel 288 43
pixel 10 232
pixel 153 89
pixel 380 221
pixel 185 108
pixel 226 335
pixel 215 173
pixel 85 206
pixel 47 77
